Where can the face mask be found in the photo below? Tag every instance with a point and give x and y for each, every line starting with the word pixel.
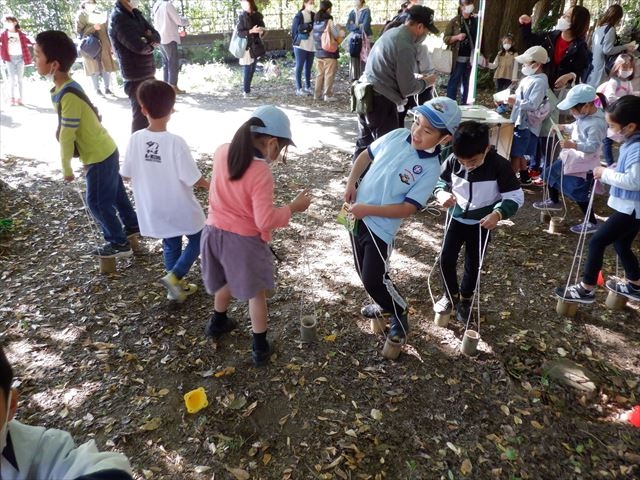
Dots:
pixel 625 73
pixel 578 116
pixel 468 9
pixel 433 149
pixel 506 46
pixel 50 76
pixel 563 24
pixel 617 137
pixel 528 70
pixel 421 38
pixel 90 7
pixel 134 3
pixel 418 2
pixel 5 428
pixel 9 26
pixel 308 7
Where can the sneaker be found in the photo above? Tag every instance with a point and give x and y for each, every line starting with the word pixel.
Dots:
pixel 586 227
pixel 501 109
pixel 99 92
pixel 178 90
pixel 19 102
pixel 108 92
pixel 187 288
pixel 261 357
pixel 307 91
pixel 300 92
pixel 443 306
pixel 215 329
pixel 626 289
pixel 547 204
pixel 464 311
pixel 113 250
pixel 247 95
pixel 399 327
pixel 131 231
pixel 576 294
pixel 373 310
pixel 13 102
pixel 328 98
pixel 537 182
pixel 172 284
pixel 526 181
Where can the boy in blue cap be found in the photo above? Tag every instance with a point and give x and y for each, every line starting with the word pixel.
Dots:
pixel 403 168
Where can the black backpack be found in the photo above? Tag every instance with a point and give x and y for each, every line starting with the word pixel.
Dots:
pixel 84 98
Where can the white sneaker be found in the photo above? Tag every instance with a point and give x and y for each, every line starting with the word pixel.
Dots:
pixel 547 204
pixel 300 92
pixel 307 91
pixel 327 98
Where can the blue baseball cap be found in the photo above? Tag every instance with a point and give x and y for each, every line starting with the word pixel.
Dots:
pixel 442 112
pixel 581 93
pixel 276 122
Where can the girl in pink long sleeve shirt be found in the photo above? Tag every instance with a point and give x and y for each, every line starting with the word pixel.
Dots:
pixel 236 260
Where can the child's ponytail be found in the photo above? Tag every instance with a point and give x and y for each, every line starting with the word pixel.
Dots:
pixel 242 149
pixel 603 100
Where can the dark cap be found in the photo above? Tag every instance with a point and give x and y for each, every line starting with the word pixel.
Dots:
pixel 423 15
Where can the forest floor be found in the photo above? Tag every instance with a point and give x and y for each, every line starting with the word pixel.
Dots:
pixel 108 357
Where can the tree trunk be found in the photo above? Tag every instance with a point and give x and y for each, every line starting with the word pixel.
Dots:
pixel 501 17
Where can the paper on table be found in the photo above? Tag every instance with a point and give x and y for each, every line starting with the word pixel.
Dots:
pixel 502 96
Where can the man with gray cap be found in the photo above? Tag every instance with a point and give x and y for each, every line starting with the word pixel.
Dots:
pixel 391 69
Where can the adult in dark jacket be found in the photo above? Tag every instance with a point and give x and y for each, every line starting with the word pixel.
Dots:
pixel 133 39
pixel 358 23
pixel 460 36
pixel 303 47
pixel 566 46
pixel 250 26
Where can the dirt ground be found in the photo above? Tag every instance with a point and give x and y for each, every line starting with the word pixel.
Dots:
pixel 110 358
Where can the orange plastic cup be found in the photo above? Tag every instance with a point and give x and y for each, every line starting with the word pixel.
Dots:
pixel 195 400
pixel 634 416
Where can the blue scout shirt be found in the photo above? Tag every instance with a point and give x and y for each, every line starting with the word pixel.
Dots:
pixel 398 173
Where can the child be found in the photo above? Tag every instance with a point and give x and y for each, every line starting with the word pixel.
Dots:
pixel 571 173
pixel 618 85
pixel 505 66
pixel 163 175
pixel 14 51
pixel 236 260
pixel 80 128
pixel 403 169
pixel 36 452
pixel 527 102
pixel 480 189
pixel 623 224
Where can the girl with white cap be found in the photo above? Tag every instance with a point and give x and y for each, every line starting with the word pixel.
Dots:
pixel 236 259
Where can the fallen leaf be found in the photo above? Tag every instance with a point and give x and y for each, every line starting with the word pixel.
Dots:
pixel 331 338
pixel 202 469
pixel 505 410
pixel 466 467
pixel 376 414
pixel 238 473
pixel 152 424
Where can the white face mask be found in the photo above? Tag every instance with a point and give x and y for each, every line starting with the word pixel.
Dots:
pixel 563 24
pixel 10 26
pixel 468 9
pixel 89 7
pixel 418 2
pixel 433 149
pixel 50 76
pixel 617 137
pixel 625 73
pixel 528 70
pixel 5 428
pixel 506 46
pixel 134 3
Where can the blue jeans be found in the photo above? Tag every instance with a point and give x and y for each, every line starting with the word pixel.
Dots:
pixel 170 62
pixel 303 59
pixel 108 201
pixel 177 260
pixel 460 74
pixel 249 70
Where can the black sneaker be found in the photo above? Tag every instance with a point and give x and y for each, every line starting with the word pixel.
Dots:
pixel 625 289
pixel 443 306
pixel 464 311
pixel 373 310
pixel 576 294
pixel 113 250
pixel 108 92
pixel 217 329
pixel 261 357
pixel 399 327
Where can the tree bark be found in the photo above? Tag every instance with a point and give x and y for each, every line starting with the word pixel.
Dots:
pixel 501 17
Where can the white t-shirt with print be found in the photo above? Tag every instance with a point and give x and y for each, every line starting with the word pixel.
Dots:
pixel 14 45
pixel 162 173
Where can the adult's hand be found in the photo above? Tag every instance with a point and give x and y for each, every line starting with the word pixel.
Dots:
pixel 460 37
pixel 524 19
pixel 564 79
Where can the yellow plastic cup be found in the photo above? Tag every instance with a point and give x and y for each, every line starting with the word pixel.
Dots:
pixel 195 400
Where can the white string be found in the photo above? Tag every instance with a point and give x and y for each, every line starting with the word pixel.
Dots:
pixel 306 268
pixel 93 227
pixel 482 250
pixel 547 175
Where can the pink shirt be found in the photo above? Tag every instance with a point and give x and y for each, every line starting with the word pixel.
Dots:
pixel 244 206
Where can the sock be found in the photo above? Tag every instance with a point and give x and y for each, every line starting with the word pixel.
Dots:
pixel 524 175
pixel 587 290
pixel 260 341
pixel 219 317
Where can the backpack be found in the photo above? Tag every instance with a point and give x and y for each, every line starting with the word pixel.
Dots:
pixel 327 41
pixel 91 46
pixel 609 60
pixel 396 21
pixel 84 98
pixel 355 45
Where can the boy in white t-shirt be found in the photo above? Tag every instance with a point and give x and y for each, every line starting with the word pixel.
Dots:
pixel 163 174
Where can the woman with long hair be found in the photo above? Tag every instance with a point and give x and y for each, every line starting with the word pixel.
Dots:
pixel 250 26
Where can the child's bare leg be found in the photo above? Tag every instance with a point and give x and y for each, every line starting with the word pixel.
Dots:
pixel 219 323
pixel 222 299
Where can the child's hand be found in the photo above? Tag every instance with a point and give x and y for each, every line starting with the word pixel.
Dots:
pixel 301 202
pixel 446 199
pixel 69 178
pixel 358 210
pixel 490 221
pixel 350 193
pixel 524 19
pixel 511 100
pixel 597 172
pixel 568 144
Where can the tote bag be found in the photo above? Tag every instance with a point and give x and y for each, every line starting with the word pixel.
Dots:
pixel 327 42
pixel 366 48
pixel 442 60
pixel 91 46
pixel 238 45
